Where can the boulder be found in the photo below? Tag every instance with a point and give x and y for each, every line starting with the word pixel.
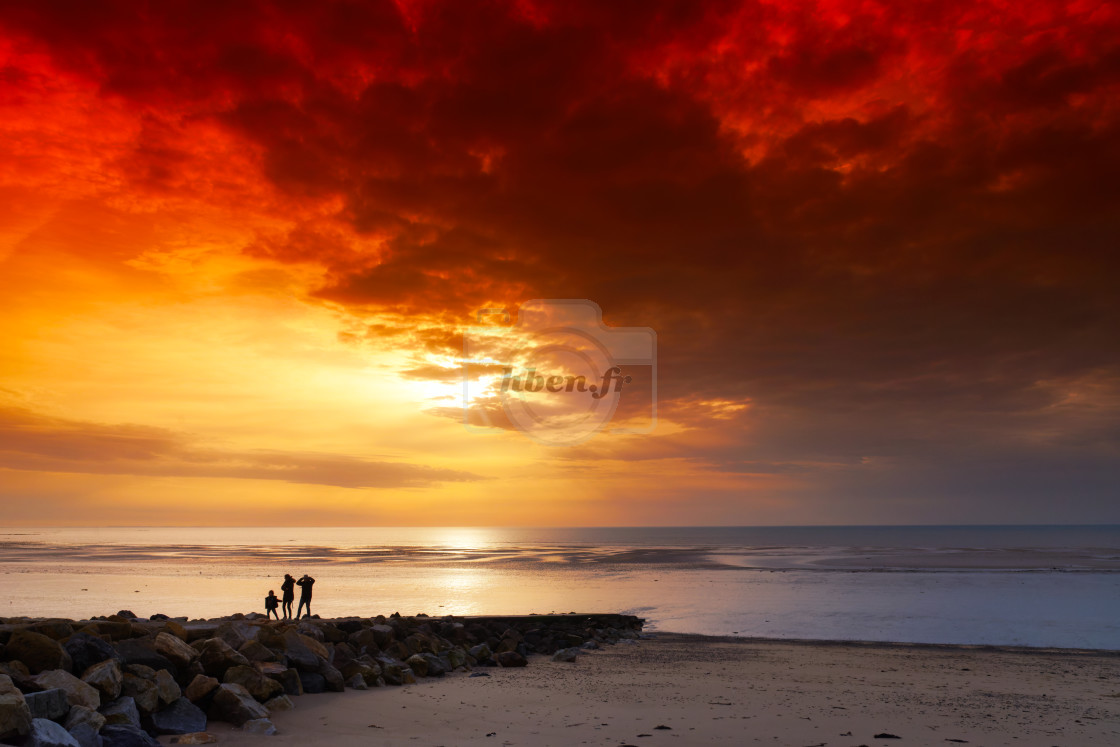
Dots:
pixel 436 666
pixel 200 687
pixel 566 654
pixel 368 672
pixel 303 652
pixel 122 711
pixel 181 717
pixel 237 633
pixel 126 614
pixel 279 703
pixel 106 678
pixel 117 630
pixel 382 635
pixel 457 657
pixel 141 690
pixel 56 629
pixel 47 733
pixel 312 682
pixel 167 688
pixel 50 704
pixel 175 650
pixel 511 659
pixel 256 651
pixel 79 693
pixel 80 715
pixel 85 735
pixel 357 682
pixel 417 664
pixel 336 683
pixel 39 652
pixel 289 680
pixel 175 629
pixel 481 652
pixel 234 704
pixel 261 726
pixel 218 656
pixel 196 738
pixel 15 716
pixel 126 735
pixel 143 651
pixel 260 687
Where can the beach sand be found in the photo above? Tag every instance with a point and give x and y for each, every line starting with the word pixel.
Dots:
pixel 722 691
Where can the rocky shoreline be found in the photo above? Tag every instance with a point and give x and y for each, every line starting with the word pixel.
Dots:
pixel 119 681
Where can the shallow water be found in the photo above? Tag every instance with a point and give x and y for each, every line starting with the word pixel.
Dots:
pixel 1039 586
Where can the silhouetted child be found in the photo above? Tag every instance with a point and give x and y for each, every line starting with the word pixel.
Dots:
pixel 271 602
pixel 304 585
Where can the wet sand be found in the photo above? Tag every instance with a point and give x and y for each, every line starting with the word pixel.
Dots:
pixel 719 691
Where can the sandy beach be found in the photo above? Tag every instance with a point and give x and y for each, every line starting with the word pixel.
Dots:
pixel 722 691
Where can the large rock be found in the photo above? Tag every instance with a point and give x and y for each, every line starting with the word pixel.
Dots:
pixel 50 704
pixel 46 733
pixel 218 656
pixel 233 703
pixel 382 634
pixel 56 629
pixel 510 659
pixel 86 650
pixel 261 726
pixel 303 652
pixel 125 735
pixel 436 666
pixel 106 678
pixel 200 688
pixel 122 711
pixel 566 654
pixel 256 651
pixel 312 682
pixel 167 687
pixel 237 633
pixel 39 652
pixel 260 687
pixel 279 703
pixel 15 716
pixel 289 680
pixel 79 693
pixel 143 651
pixel 481 652
pixel 141 690
pixel 181 717
pixel 175 650
pixel 85 735
pixel 418 664
pixel 336 683
pixel 80 715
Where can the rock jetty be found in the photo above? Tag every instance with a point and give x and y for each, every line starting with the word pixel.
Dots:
pixel 120 681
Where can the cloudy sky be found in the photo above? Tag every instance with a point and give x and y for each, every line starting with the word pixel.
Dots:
pixel 877 242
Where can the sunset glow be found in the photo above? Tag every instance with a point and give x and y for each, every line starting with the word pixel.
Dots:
pixel 877 243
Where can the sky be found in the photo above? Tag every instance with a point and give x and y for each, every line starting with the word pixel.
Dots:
pixel 243 248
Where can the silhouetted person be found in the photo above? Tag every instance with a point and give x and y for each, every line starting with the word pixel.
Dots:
pixel 304 585
pixel 289 589
pixel 270 604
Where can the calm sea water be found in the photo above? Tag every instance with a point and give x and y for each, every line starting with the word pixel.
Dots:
pixel 1024 585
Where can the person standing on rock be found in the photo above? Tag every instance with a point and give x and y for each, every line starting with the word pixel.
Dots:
pixel 270 605
pixel 289 589
pixel 304 585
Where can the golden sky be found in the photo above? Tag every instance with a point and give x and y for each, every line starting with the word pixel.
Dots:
pixel 240 249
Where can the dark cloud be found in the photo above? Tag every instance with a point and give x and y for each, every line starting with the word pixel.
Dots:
pixel 863 220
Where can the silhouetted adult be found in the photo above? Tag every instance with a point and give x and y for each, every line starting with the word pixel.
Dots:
pixel 289 589
pixel 304 585
pixel 270 604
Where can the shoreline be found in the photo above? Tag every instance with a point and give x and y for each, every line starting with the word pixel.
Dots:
pixel 711 690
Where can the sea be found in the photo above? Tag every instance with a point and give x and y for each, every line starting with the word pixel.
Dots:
pixel 1039 586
